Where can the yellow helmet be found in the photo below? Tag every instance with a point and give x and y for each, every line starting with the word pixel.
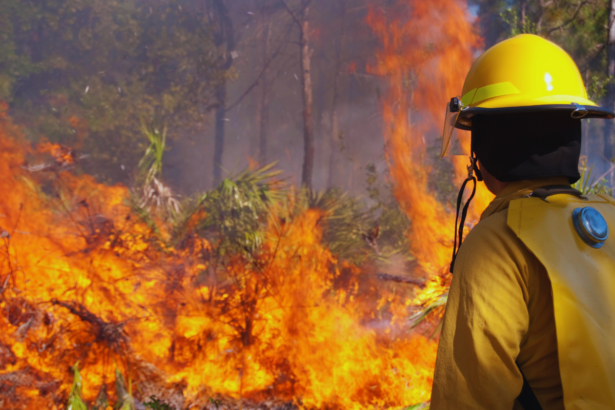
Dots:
pixel 522 74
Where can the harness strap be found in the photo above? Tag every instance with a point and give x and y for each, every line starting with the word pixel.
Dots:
pixel 546 191
pixel 527 398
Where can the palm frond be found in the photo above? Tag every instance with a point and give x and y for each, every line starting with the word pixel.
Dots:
pixel 154 194
pixel 75 398
pixel 125 400
pixel 150 165
pixel 234 213
pixel 419 406
pixel 417 318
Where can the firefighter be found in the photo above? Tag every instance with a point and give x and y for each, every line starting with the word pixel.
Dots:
pixel 530 319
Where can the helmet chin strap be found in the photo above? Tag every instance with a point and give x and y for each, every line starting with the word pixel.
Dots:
pixel 459 231
pixel 474 165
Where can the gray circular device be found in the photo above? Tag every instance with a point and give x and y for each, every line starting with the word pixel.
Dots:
pixel 591 226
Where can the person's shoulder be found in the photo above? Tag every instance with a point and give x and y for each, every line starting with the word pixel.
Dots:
pixel 492 228
pixel 492 248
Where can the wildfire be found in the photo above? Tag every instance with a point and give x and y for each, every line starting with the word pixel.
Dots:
pixel 85 280
pixel 427 49
pixel 62 155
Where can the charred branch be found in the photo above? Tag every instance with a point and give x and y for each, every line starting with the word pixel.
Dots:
pixel 400 279
pixel 110 334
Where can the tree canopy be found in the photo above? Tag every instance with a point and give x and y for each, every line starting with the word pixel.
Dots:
pixel 580 27
pixel 98 68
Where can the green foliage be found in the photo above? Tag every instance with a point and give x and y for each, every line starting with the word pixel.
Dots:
pixel 82 72
pixel 347 222
pixel 589 184
pixel 417 318
pixel 125 400
pixel 233 216
pixel 75 398
pixel 419 406
pixel 596 86
pixel 102 400
pixel 150 166
pixel 153 193
pixel 579 27
pixel 510 16
pixel 156 404
pixel 386 213
pixel 235 211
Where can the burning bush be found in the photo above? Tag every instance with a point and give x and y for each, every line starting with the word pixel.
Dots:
pixel 236 299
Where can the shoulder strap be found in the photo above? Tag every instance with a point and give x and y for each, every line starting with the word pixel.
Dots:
pixel 546 191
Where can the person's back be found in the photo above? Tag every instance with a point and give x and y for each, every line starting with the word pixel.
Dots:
pixel 529 313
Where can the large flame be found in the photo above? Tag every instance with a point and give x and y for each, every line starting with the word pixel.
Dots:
pixel 427 50
pixel 83 280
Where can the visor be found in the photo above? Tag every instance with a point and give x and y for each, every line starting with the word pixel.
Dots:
pixel 454 141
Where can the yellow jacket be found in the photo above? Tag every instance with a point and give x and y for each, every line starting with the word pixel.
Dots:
pixel 500 314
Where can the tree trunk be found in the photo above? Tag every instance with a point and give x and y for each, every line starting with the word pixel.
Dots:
pixel 523 15
pixel 264 97
pixel 219 132
pixel 610 88
pixel 306 82
pixel 333 141
pixel 541 14
pixel 224 39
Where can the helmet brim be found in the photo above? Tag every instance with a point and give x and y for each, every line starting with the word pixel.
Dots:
pixel 465 117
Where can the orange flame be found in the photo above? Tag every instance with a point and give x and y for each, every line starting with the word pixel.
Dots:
pixel 427 49
pixel 62 155
pixel 82 279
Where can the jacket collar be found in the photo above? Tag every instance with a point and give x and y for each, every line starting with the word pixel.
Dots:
pixel 519 189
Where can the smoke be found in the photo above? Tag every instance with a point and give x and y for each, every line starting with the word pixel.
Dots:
pixel 358 142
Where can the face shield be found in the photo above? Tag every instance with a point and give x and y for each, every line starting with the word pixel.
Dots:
pixel 454 140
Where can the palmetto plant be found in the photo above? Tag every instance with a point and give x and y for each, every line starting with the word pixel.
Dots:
pixel 153 193
pixel 75 399
pixel 125 399
pixel 355 231
pixel 232 215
